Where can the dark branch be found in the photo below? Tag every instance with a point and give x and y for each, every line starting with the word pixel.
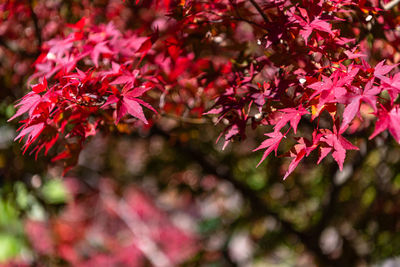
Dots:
pixel 257 204
pixel 240 18
pixel 254 3
pixel 23 53
pixel 38 31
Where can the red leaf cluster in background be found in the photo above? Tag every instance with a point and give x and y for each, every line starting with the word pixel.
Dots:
pixel 127 230
pixel 302 71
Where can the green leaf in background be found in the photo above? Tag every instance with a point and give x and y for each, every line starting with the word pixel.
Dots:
pixel 12 240
pixel 54 192
pixel 10 246
pixel 209 225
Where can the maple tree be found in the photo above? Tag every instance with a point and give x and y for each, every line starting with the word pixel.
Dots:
pixel 303 73
pixel 99 74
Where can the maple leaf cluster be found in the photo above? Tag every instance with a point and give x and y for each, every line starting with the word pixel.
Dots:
pixel 71 107
pixel 277 66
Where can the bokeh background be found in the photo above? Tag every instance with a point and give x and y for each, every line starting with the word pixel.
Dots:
pixel 169 196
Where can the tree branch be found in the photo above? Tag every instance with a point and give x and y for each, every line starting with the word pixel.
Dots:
pixel 257 204
pixel 139 229
pixel 23 53
pixel 391 4
pixel 240 18
pixel 38 31
pixel 266 19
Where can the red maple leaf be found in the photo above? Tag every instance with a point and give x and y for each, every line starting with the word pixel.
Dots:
pixel 336 142
pixel 302 149
pixel 27 105
pixel 331 90
pixel 388 120
pixel 100 48
pixel 270 144
pixel 381 70
pixel 128 102
pixel 127 78
pixel 297 153
pixel 291 115
pixel 368 95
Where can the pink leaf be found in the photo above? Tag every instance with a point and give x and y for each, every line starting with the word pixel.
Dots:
pixel 270 144
pixel 381 70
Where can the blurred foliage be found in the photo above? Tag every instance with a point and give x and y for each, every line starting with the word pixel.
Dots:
pixel 12 238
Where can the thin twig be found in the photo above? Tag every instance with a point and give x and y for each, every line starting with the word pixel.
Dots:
pixel 391 4
pixel 240 18
pixel 266 19
pixel 185 119
pixel 139 229
pixel 38 31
